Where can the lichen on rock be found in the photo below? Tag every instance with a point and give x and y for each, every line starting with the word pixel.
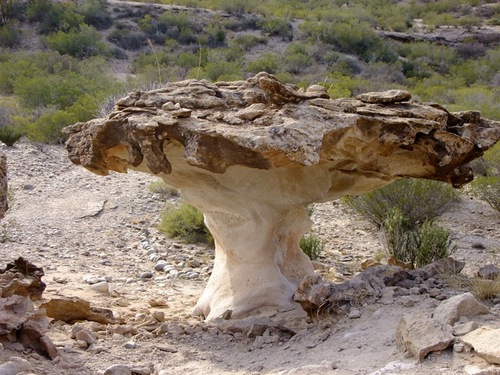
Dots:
pixel 252 154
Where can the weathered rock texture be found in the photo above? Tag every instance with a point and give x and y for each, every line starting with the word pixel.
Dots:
pixel 251 154
pixel 4 202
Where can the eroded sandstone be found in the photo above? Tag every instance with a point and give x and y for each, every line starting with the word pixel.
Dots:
pixel 251 154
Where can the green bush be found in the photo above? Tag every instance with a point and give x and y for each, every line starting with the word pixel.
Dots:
pixel 268 62
pixel 128 39
pixel 95 13
pixel 10 34
pixel 10 134
pixel 248 41
pixel 185 223
pixel 54 16
pixel 311 245
pixel 419 245
pixel 417 200
pixel 277 26
pixel 80 43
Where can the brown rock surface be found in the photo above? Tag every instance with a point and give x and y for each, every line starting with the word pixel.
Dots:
pixel 252 168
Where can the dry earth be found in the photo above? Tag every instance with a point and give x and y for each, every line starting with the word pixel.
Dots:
pixel 83 228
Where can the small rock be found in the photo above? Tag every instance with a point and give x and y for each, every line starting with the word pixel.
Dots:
pixel 354 314
pixel 15 366
pixel 450 311
pixel 389 96
pixel 159 316
pixel 101 287
pixel 458 347
pixel 118 370
pixel 130 345
pixel 420 335
pixel 81 344
pixel 464 328
pixel 86 336
pixel 486 343
pixel 489 272
pixel 146 275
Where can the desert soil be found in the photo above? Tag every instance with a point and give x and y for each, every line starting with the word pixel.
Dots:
pixel 82 228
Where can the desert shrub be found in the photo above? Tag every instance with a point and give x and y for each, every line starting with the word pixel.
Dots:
pixel 10 134
pixel 417 199
pixel 10 34
pixel 487 189
pixel 248 41
pixel 429 243
pixel 129 40
pixel 268 62
pixel 238 7
pixel 311 245
pixel 418 245
pixel 95 13
pixel 215 35
pixel 185 223
pixel 161 188
pixel 80 43
pixel 54 16
pixel 277 26
pixel 423 59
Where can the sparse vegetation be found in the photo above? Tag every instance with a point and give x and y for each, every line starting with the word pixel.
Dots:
pixel 311 245
pixel 185 222
pixel 405 211
pixel 161 188
pixel 417 200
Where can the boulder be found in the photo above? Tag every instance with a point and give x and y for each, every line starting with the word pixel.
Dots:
pixel 420 335
pixel 450 311
pixel 486 343
pixel 489 272
pixel 251 155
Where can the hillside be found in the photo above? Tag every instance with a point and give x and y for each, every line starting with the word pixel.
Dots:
pixel 64 62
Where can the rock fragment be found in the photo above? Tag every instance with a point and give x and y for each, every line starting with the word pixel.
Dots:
pixel 420 335
pixel 450 311
pixel 486 343
pixel 389 96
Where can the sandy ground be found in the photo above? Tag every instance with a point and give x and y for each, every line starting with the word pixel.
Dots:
pixel 79 226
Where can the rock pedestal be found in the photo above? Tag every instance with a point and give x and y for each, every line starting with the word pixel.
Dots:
pixel 251 154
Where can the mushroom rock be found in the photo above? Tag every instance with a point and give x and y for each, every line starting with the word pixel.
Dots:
pixel 252 154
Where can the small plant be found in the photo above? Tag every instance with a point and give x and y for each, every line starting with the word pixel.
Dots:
pixel 484 289
pixel 161 188
pixel 185 223
pixel 10 134
pixel 417 199
pixel 430 243
pixel 311 245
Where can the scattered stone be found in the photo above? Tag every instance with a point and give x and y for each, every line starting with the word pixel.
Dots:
pixel 450 311
pixel 464 328
pixel 48 347
pixel 86 336
pixel 476 370
pixel 486 343
pixel 146 275
pixel 489 272
pixel 101 287
pixel 158 315
pixel 118 370
pixel 158 302
pixel 354 313
pixel 130 345
pixel 16 365
pixel 421 335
